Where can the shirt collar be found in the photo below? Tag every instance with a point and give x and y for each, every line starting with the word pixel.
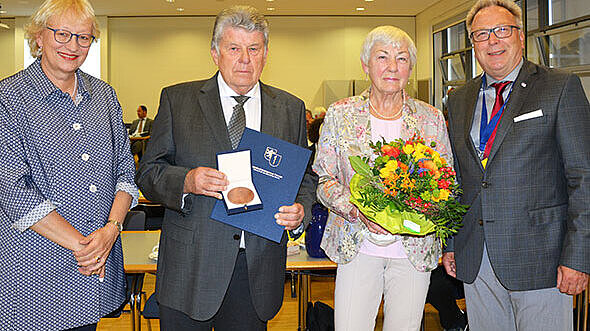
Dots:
pixel 45 87
pixel 226 91
pixel 511 77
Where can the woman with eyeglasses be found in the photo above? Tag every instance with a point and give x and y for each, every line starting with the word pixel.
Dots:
pixel 66 181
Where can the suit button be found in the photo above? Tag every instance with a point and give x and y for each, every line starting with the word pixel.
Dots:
pixel 485 184
pixel 480 222
pixel 236 237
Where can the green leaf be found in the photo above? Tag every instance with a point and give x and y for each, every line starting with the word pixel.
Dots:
pixel 359 166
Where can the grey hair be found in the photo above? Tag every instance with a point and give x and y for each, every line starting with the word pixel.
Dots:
pixel 245 17
pixel 389 35
pixel 509 5
pixel 50 8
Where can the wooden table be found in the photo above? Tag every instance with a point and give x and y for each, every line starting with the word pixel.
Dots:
pixel 143 201
pixel 302 264
pixel 136 247
pixel 581 309
pixel 133 139
pixel 138 244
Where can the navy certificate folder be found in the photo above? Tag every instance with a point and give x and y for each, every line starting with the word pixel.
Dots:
pixel 277 170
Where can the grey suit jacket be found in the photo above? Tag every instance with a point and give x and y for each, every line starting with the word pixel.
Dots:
pixel 197 254
pixel 531 205
pixel 147 127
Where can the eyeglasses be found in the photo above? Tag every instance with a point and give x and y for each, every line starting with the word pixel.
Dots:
pixel 501 32
pixel 64 36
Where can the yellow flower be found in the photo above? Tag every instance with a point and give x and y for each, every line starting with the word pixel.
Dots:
pixel 389 168
pixel 408 149
pixel 418 156
pixel 443 195
pixel 420 148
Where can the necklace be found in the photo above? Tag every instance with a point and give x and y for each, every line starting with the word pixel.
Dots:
pixel 386 117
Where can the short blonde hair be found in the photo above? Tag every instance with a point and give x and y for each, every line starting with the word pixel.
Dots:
pixel 389 35
pixel 509 5
pixel 50 8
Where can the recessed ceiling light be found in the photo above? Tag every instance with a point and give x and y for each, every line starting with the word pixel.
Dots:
pixel 3 12
pixel 270 8
pixel 368 0
pixel 270 0
pixel 360 8
pixel 170 1
pixel 180 9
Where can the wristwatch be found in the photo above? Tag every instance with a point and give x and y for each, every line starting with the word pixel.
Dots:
pixel 118 224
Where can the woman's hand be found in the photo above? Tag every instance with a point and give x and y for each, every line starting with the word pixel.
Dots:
pixel 373 227
pixel 91 259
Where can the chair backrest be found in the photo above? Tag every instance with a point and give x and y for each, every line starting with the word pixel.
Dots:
pixel 135 220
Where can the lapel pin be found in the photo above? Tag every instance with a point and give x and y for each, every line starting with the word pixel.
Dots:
pixel 523 84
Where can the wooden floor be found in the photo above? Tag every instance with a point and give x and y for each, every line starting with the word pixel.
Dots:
pixel 286 319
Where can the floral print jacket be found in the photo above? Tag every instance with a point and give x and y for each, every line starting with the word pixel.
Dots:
pixel 346 132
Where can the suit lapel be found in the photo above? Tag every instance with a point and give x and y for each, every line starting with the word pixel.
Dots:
pixel 210 103
pixel 471 94
pixel 268 111
pixel 513 107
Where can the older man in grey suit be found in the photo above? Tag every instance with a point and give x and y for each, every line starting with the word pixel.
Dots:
pixel 211 274
pixel 524 166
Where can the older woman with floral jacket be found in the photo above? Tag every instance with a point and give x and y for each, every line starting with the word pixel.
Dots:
pixel 372 262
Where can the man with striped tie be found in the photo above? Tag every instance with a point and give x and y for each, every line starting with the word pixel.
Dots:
pixel 211 274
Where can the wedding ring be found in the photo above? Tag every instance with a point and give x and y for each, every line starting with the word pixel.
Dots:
pixel 98 259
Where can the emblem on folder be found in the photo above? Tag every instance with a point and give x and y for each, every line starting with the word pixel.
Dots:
pixel 272 156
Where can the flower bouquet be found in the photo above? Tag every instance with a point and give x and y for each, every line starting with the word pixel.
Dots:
pixel 407 189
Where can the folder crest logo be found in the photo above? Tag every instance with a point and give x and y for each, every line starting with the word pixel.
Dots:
pixel 272 156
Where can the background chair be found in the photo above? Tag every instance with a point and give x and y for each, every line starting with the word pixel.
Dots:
pixel 134 221
pixel 151 310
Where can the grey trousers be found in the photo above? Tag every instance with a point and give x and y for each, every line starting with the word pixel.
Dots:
pixel 490 306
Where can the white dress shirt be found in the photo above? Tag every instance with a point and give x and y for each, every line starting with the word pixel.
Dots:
pixel 252 108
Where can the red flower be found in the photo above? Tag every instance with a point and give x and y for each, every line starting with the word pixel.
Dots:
pixel 390 151
pixel 444 184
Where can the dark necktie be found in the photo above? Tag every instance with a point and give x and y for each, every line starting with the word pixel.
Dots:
pixel 237 123
pixel 497 106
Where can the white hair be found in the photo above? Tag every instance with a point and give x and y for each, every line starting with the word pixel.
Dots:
pixel 245 17
pixel 388 35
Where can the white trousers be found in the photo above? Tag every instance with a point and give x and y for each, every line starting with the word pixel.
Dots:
pixel 361 283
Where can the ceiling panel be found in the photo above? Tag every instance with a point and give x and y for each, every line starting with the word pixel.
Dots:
pixel 212 7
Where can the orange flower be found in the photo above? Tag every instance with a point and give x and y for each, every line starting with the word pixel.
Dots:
pixel 430 165
pixel 402 166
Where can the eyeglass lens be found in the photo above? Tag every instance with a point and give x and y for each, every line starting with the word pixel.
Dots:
pixel 500 32
pixel 64 36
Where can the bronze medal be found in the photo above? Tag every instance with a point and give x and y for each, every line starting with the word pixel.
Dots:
pixel 240 195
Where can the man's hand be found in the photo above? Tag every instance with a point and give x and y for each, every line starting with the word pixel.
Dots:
pixel 290 216
pixel 205 181
pixel 448 261
pixel 571 281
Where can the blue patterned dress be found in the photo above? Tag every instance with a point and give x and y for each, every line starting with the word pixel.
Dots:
pixel 56 154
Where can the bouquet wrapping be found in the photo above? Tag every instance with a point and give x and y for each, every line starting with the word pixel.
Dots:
pixel 407 188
